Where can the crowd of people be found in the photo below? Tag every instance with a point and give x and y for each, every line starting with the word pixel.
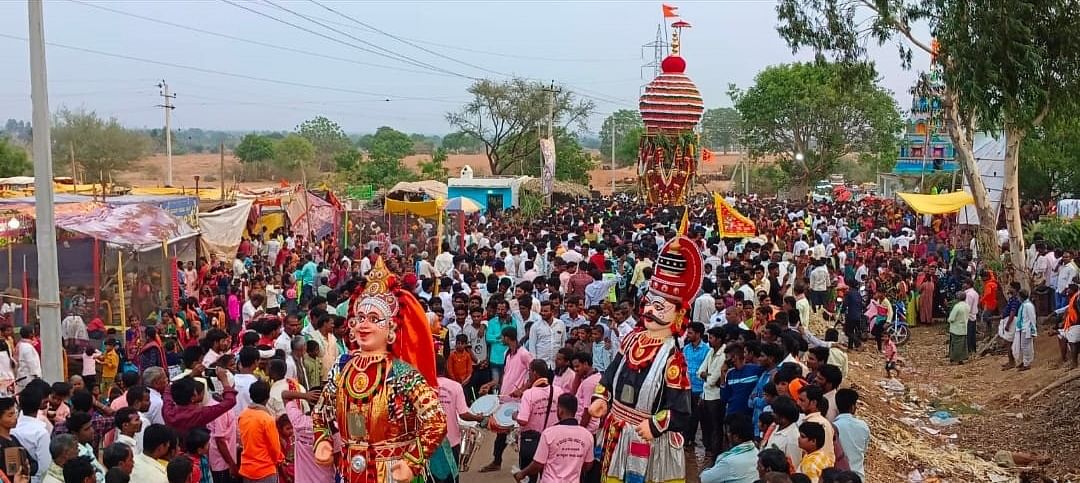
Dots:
pixel 218 386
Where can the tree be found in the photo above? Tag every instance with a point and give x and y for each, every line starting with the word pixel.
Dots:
pixel 624 121
pixel 1050 159
pixel 254 148
pixel 348 159
pixel 13 159
pixel 436 168
pixel 1006 66
pixel 424 144
pixel 460 142
pixel 500 113
pixel 326 137
pixel 626 146
pixel 389 144
pixel 18 130
pixel 100 146
pixel 720 128
pixel 810 115
pixel 295 151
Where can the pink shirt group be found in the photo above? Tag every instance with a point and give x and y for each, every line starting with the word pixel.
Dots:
pixel 515 371
pixel 563 450
pixel 534 403
pixel 452 397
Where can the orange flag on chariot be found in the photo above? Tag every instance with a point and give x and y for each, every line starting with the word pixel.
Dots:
pixel 729 222
pixel 706 155
pixel 670 11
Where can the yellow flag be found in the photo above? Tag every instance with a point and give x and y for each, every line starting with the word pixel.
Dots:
pixel 685 224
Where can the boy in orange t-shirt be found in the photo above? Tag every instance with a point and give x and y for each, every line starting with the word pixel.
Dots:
pixel 460 365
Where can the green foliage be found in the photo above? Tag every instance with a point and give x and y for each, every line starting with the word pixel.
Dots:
pixel 389 144
pixel 436 168
pixel 101 146
pixel 18 130
pixel 821 110
pixel 626 147
pixel 13 159
pixel 502 114
pixel 460 142
pixel 720 129
pixel 1056 232
pixel 625 122
pixel 532 205
pixel 293 152
pixel 325 136
pixel 1050 159
pixel 254 148
pixel 347 159
pixel 380 173
pixel 424 144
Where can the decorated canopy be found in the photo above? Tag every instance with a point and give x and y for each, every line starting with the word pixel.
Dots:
pixel 671 102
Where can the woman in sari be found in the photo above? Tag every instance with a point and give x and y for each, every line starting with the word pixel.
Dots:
pixel 926 297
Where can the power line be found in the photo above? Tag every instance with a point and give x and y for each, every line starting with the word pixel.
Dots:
pixel 218 72
pixel 387 54
pixel 406 41
pixel 256 42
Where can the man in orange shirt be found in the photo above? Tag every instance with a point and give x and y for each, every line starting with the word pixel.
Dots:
pixel 989 300
pixel 262 457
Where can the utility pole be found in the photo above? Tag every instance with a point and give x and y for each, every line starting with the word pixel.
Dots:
pixel 48 304
pixel 612 156
pixel 168 106
pixel 74 178
pixel 222 150
pixel 552 92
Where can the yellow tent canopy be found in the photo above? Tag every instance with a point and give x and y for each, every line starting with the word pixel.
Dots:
pixel 426 209
pixel 937 204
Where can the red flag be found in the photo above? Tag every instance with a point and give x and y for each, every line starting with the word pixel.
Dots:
pixel 706 155
pixel 670 11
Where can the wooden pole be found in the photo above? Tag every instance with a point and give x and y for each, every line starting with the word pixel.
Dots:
pixel 74 179
pixel 221 149
pixel 120 290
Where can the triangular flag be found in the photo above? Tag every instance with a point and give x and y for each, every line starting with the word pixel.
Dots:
pixel 706 155
pixel 670 11
pixel 729 222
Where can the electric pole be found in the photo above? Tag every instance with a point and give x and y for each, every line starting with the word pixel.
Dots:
pixel 613 156
pixel 168 106
pixel 48 304
pixel 552 92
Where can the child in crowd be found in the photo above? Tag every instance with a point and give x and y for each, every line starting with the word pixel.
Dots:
pixel 196 449
pixel 460 363
pixel 110 364
pixel 89 366
pixel 173 358
pixel 313 365
pixel 890 358
pixel 288 446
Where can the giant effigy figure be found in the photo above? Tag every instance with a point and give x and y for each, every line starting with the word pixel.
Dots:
pixel 668 151
pixel 645 392
pixel 381 398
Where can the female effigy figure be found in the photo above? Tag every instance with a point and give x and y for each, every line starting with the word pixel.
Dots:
pixel 380 398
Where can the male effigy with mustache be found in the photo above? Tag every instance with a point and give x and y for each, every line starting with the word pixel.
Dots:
pixel 645 392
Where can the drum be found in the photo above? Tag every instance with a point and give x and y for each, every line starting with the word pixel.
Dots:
pixel 484 405
pixel 504 414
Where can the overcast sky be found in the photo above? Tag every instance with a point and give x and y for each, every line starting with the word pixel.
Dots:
pixel 594 48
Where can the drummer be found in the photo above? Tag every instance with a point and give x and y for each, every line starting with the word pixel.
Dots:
pixel 514 382
pixel 538 410
pixel 452 397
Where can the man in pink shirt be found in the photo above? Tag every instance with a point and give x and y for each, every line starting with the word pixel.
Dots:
pixel 565 450
pixel 538 410
pixel 515 379
pixel 452 398
pixel 223 446
pixel 588 378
